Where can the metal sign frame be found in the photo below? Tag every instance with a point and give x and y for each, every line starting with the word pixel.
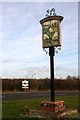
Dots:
pixel 47 26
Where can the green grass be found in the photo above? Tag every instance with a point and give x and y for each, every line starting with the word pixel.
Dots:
pixel 70 101
pixel 0 109
pixel 13 109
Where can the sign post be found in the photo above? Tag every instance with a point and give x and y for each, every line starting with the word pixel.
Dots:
pixel 51 40
pixel 25 84
pixel 51 53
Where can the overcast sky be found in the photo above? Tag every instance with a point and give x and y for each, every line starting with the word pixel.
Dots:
pixel 21 52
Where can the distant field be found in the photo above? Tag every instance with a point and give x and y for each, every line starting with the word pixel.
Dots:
pixel 13 109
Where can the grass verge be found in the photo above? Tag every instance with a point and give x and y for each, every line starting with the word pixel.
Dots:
pixel 13 109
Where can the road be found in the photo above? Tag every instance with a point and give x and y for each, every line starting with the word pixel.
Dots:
pixel 30 95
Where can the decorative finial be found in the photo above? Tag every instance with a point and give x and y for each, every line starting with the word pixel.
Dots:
pixel 50 12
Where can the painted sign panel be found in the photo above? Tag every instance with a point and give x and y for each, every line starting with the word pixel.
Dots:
pixel 51 33
pixel 25 84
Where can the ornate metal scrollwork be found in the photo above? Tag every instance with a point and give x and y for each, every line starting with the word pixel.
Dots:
pixel 56 50
pixel 50 12
pixel 46 50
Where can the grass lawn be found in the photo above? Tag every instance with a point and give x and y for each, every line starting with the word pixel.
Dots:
pixel 13 109
pixel 0 109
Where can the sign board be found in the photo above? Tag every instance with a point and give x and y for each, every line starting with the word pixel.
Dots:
pixel 51 31
pixel 25 84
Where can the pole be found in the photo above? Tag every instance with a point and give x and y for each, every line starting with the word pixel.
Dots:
pixel 51 53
